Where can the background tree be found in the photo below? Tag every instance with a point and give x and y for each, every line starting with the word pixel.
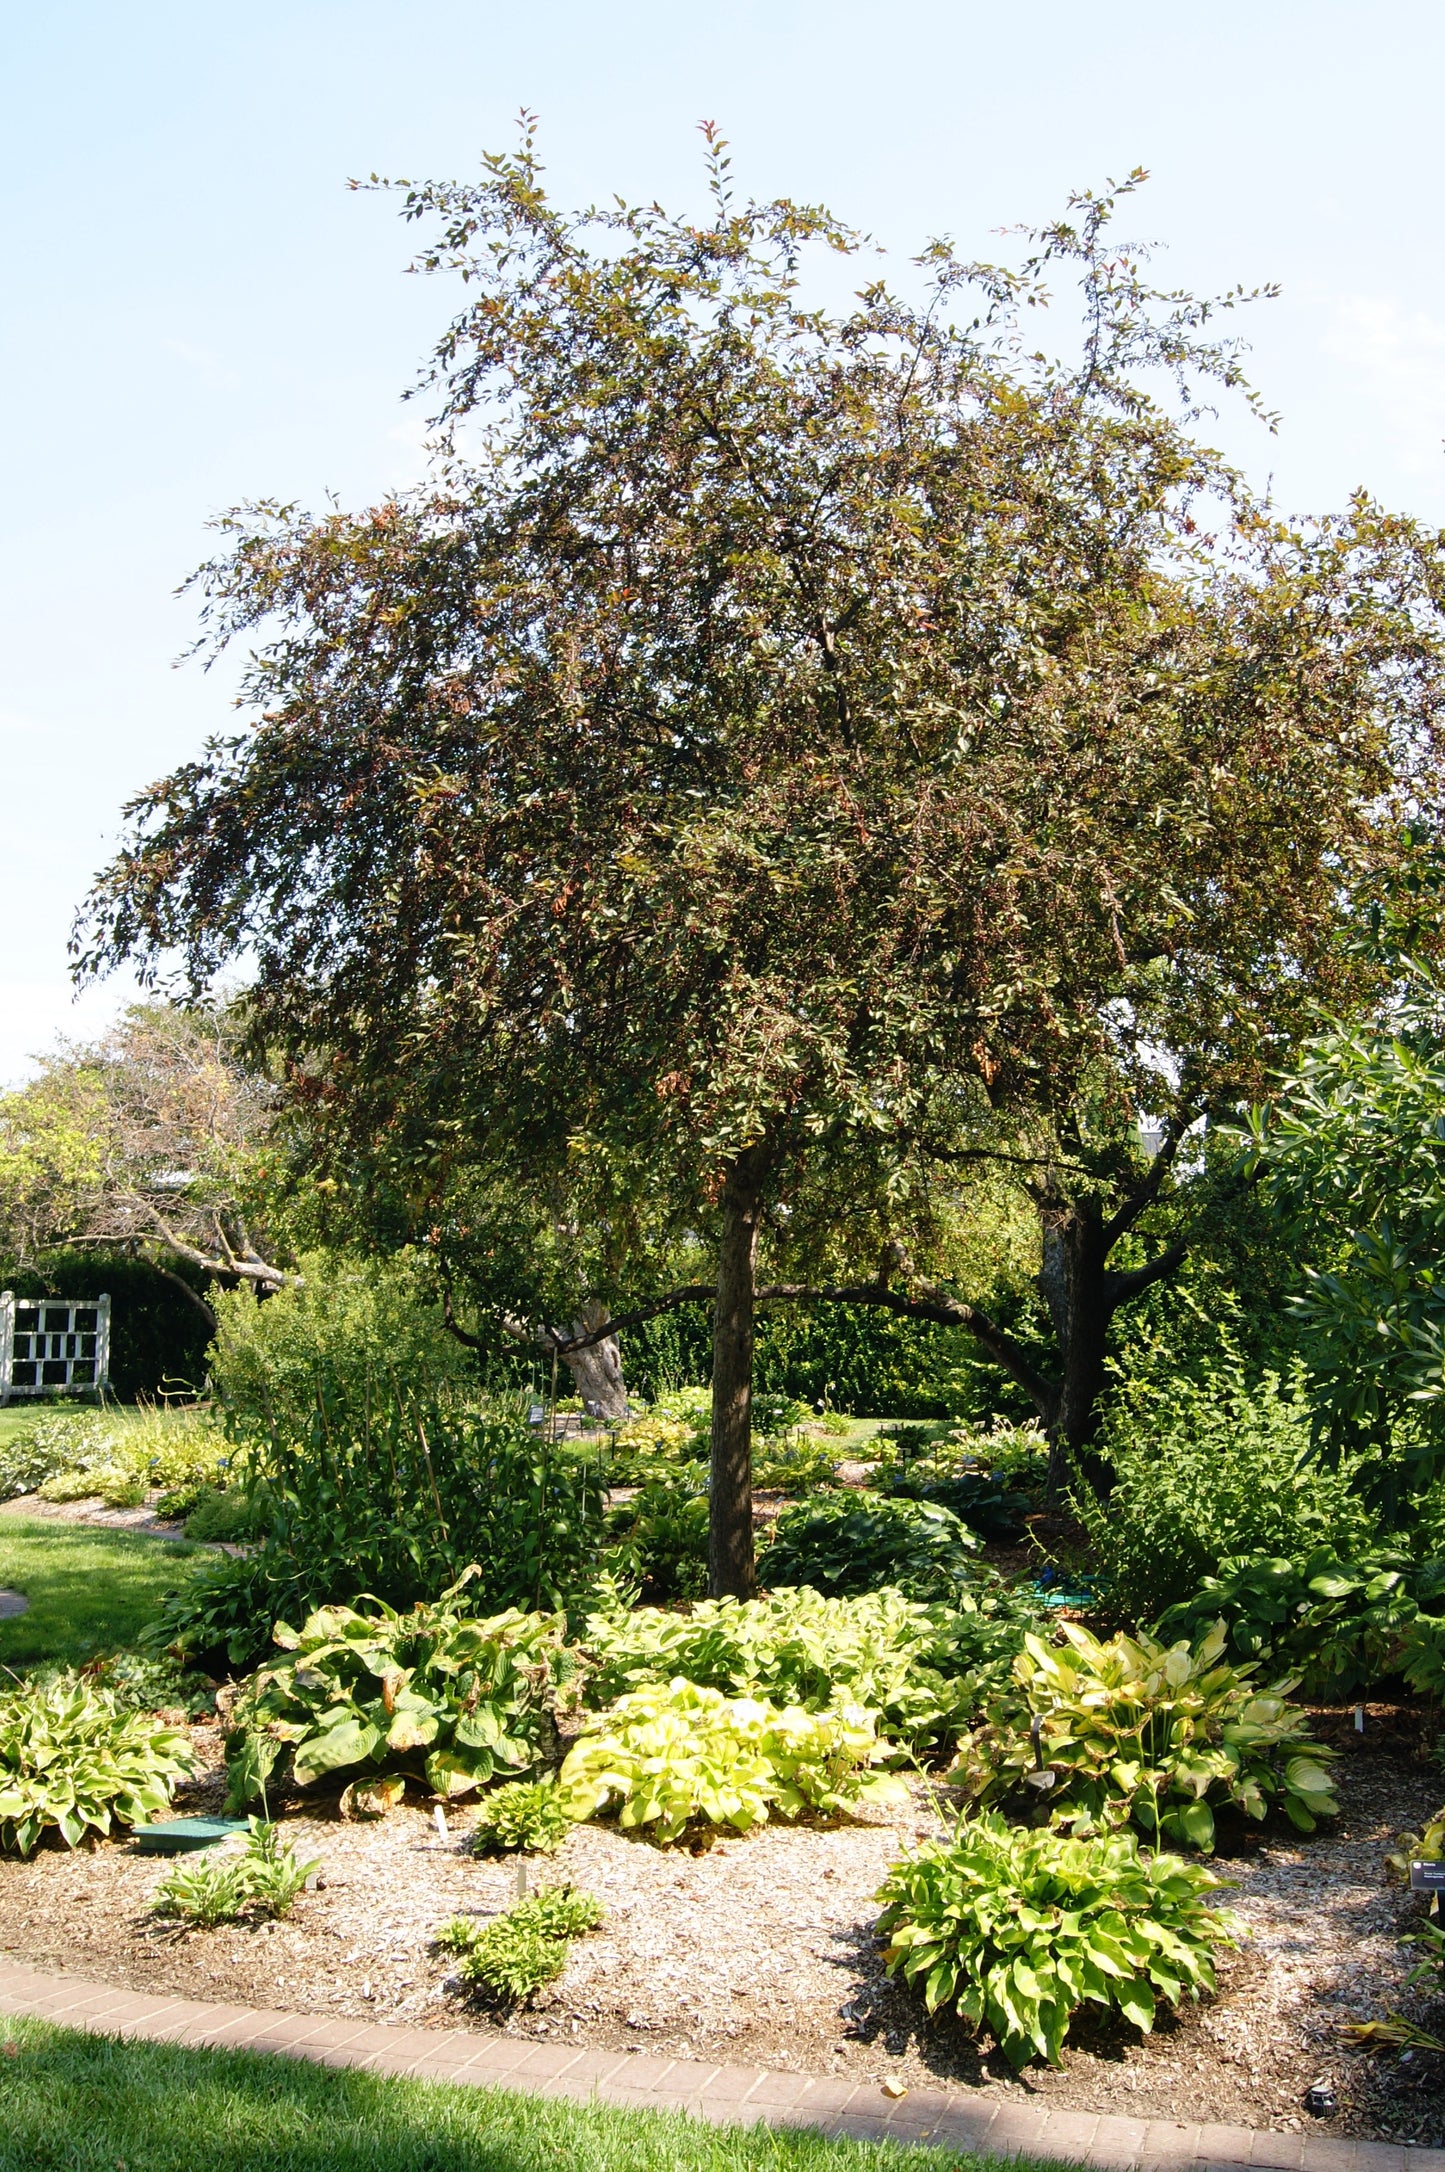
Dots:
pixel 779 747
pixel 158 1141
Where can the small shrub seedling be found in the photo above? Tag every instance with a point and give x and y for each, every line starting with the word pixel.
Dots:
pixel 515 1955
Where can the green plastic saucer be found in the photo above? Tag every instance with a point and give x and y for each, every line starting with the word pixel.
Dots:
pixel 184 1833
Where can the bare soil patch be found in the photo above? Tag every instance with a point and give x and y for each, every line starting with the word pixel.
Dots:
pixel 761 1949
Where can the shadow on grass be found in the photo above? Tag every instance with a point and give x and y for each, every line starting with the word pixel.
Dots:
pixel 90 2104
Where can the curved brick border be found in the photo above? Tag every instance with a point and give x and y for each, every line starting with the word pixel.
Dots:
pixel 951 2118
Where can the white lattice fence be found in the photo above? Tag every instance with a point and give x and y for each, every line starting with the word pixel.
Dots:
pixel 53 1345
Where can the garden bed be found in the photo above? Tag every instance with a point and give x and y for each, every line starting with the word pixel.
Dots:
pixel 760 1949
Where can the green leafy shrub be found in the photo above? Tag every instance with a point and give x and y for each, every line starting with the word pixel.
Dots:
pixel 1422 1656
pixel 265 1881
pixel 850 1543
pixel 144 1682
pixel 1335 1624
pixel 73 1757
pixel 350 1327
pixel 1209 1472
pixel 925 1670
pixel 796 1465
pixel 395 1495
pixel 434 1693
pixel 667 1755
pixel 1134 1729
pixel 990 1508
pixel 526 1816
pixel 1015 1929
pixel 517 1954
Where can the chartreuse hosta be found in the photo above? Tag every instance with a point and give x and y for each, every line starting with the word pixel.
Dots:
pixel 1016 1928
pixel 1131 1729
pixel 675 1753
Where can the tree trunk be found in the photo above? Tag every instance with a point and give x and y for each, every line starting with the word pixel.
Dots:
pixel 1074 1284
pixel 597 1370
pixel 731 1569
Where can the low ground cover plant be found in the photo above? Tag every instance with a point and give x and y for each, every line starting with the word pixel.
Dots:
pixel 517 1954
pixel 674 1754
pixel 118 1454
pixel 923 1669
pixel 1014 1929
pixel 1105 1733
pixel 521 1816
pixel 437 1694
pixel 1336 1624
pixel 209 1889
pixel 74 1760
pixel 851 1542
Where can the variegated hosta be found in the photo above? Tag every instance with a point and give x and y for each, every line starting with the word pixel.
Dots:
pixel 434 1694
pixel 1015 1928
pixel 73 1758
pixel 674 1753
pixel 1129 1728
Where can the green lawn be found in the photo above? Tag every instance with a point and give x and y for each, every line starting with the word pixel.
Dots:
pixel 89 2104
pixel 89 1590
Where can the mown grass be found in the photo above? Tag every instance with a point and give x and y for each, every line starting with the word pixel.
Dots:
pixel 90 1590
pixel 90 2104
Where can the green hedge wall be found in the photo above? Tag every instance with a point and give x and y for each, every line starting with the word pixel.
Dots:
pixel 158 1339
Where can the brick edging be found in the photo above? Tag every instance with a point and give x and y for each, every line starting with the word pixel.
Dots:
pixel 950 2118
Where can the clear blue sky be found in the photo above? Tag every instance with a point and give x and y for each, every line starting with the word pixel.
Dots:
pixel 195 310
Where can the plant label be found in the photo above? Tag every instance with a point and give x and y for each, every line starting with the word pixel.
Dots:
pixel 1427 1877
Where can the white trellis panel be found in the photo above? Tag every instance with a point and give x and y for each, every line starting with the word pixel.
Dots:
pixel 53 1345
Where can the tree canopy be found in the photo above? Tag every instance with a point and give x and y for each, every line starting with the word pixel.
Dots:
pixel 782 749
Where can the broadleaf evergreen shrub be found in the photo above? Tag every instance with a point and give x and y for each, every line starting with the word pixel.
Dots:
pixel 1336 1625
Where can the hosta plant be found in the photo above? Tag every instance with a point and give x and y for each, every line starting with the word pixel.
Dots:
pixel 434 1694
pixel 849 1542
pixel 1015 1928
pixel 923 1669
pixel 75 1758
pixel 530 1816
pixel 667 1756
pixel 264 1881
pixel 1104 1732
pixel 515 1955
